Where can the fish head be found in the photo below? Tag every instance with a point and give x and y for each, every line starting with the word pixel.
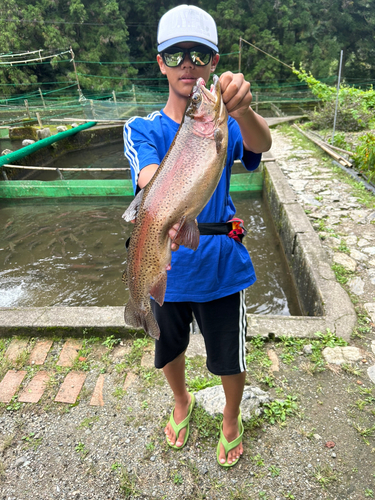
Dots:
pixel 206 105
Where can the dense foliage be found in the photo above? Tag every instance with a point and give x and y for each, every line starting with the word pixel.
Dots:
pixel 355 107
pixel 364 157
pixel 116 32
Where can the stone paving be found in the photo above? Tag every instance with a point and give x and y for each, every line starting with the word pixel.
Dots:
pixel 72 383
pixel 344 223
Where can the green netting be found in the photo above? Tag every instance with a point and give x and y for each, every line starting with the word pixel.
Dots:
pixel 68 102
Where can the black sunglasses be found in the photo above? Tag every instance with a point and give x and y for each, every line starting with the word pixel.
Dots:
pixel 200 55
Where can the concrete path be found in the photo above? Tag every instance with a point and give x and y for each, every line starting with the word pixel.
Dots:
pixel 342 214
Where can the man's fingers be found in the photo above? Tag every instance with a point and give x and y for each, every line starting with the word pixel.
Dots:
pixel 235 91
pixel 172 234
pixel 241 100
pixel 225 80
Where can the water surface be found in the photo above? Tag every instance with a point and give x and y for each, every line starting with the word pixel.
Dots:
pixel 70 252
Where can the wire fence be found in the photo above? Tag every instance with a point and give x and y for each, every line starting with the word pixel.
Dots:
pixel 70 103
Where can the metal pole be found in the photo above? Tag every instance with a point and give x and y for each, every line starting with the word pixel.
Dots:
pixel 75 70
pixel 239 57
pixel 337 98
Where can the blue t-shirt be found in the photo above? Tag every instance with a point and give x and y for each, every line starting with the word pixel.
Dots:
pixel 220 266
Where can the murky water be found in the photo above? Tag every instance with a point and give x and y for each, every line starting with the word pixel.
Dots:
pixel 70 252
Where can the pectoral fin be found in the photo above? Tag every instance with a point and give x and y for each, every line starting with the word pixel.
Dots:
pixel 188 235
pixel 132 210
pixel 218 136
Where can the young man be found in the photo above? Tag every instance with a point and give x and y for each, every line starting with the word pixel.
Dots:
pixel 211 281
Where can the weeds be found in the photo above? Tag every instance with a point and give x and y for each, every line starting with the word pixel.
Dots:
pixel 81 450
pixel 277 411
pixel 351 369
pixel 110 342
pixel 136 353
pixel 118 393
pixel 88 422
pixel 32 441
pixel 342 274
pixel 128 484
pixel 258 460
pixel 365 432
pixel 199 383
pixel 325 475
pixel 206 425
pixel 14 404
pixel 275 471
pixel 177 478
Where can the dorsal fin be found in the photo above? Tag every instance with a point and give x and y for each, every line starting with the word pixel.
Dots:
pixel 132 210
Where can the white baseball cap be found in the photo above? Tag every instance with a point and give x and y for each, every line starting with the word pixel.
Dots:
pixel 187 23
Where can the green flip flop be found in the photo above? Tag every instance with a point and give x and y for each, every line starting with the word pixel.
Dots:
pixel 229 446
pixel 185 423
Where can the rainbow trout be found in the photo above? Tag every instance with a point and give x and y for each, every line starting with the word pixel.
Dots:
pixel 179 190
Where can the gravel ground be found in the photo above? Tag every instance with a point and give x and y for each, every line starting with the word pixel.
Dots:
pixel 315 441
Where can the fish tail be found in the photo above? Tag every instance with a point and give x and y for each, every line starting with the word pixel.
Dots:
pixel 141 319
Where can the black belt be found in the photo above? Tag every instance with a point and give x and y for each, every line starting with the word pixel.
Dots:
pixel 233 228
pixel 210 228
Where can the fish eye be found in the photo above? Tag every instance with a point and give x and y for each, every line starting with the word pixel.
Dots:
pixel 196 97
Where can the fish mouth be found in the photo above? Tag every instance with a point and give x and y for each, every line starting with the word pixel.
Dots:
pixel 210 95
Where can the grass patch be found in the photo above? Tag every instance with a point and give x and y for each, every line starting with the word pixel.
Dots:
pixel 258 362
pixel 277 411
pixel 325 475
pixel 199 383
pixel 31 441
pixel 88 422
pixel 81 450
pixel 342 274
pixel 128 484
pixel 206 426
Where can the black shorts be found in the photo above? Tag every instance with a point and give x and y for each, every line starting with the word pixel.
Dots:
pixel 223 326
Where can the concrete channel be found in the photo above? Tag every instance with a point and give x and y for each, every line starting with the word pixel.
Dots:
pixel 324 302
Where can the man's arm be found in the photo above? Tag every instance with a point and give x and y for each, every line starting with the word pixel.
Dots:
pixel 237 97
pixel 146 174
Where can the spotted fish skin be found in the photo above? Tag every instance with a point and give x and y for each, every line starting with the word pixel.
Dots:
pixel 179 190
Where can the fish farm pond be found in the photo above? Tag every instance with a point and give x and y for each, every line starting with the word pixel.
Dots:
pixel 71 252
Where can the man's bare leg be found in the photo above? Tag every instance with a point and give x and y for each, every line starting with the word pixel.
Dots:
pixel 175 374
pixel 233 387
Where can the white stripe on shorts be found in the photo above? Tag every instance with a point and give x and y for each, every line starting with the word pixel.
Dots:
pixel 242 332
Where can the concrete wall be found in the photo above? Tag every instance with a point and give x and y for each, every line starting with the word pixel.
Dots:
pixel 325 302
pixel 322 299
pixel 90 138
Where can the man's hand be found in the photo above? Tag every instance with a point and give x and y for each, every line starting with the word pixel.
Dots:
pixel 236 93
pixel 172 233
